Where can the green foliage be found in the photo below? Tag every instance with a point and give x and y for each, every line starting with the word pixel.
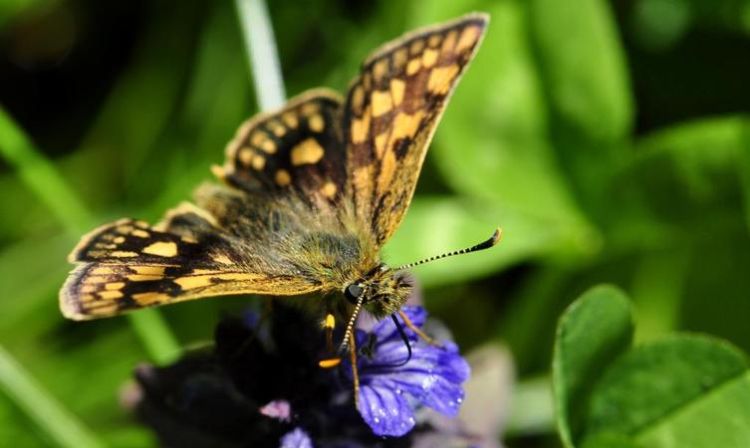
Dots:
pixel 591 334
pixel 681 390
pixel 585 129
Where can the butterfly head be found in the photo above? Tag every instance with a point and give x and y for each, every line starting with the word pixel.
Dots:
pixel 382 291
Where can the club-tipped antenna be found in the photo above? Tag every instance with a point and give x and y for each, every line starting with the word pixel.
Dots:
pixel 493 240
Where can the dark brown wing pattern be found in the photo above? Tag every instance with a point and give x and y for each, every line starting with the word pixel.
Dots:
pixel 128 265
pixel 392 110
pixel 297 150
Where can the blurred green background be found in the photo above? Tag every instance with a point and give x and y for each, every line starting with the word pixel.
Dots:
pixel 609 139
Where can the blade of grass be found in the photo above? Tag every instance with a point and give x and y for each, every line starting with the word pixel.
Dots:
pixel 41 177
pixel 262 55
pixel 61 426
pixel 45 181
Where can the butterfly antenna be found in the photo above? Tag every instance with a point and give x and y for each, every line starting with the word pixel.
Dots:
pixel 493 240
pixel 350 325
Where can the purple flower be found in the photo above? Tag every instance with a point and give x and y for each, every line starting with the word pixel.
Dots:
pixel 260 385
pixel 278 409
pixel 391 388
pixel 297 438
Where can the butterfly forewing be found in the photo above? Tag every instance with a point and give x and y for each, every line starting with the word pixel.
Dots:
pixel 391 112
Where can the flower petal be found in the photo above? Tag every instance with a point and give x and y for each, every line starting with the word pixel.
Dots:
pixel 392 388
pixel 278 409
pixel 386 410
pixel 296 438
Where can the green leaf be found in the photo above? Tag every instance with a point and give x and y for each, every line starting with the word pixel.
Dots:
pixel 691 171
pixel 593 331
pixel 434 225
pixel 583 65
pixel 719 419
pixel 657 391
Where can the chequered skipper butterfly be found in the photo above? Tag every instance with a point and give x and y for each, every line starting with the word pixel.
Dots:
pixel 309 194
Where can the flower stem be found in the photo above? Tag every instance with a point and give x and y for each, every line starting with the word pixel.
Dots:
pixel 60 425
pixel 262 54
pixel 41 177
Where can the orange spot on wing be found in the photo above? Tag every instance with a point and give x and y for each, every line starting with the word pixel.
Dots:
pixel 307 152
pixel 468 38
pixel 162 249
pixel 429 58
pixel 283 178
pixel 360 128
pixel 398 87
pixel 441 79
pixel 381 102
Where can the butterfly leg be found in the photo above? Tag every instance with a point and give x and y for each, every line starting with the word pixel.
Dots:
pixel 355 371
pixel 329 324
pixel 417 330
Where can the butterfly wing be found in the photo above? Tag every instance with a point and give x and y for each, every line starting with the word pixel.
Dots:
pixel 391 112
pixel 128 265
pixel 272 229
pixel 296 151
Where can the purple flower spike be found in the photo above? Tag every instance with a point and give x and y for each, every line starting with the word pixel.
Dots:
pixel 297 438
pixel 391 389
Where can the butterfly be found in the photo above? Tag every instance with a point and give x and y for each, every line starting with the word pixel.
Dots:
pixel 307 197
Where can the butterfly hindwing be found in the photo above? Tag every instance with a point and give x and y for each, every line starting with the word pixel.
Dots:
pixel 297 150
pixel 391 112
pixel 128 265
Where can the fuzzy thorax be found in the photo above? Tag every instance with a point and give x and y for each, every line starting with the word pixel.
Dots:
pixel 384 290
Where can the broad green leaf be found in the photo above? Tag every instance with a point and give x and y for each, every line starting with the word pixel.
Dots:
pixel 610 440
pixel 434 225
pixel 593 331
pixel 652 393
pixel 719 419
pixel 583 66
pixel 690 172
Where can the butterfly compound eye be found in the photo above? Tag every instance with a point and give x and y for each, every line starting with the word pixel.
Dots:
pixel 353 292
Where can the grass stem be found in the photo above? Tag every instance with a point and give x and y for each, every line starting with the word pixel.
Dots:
pixel 262 54
pixel 59 425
